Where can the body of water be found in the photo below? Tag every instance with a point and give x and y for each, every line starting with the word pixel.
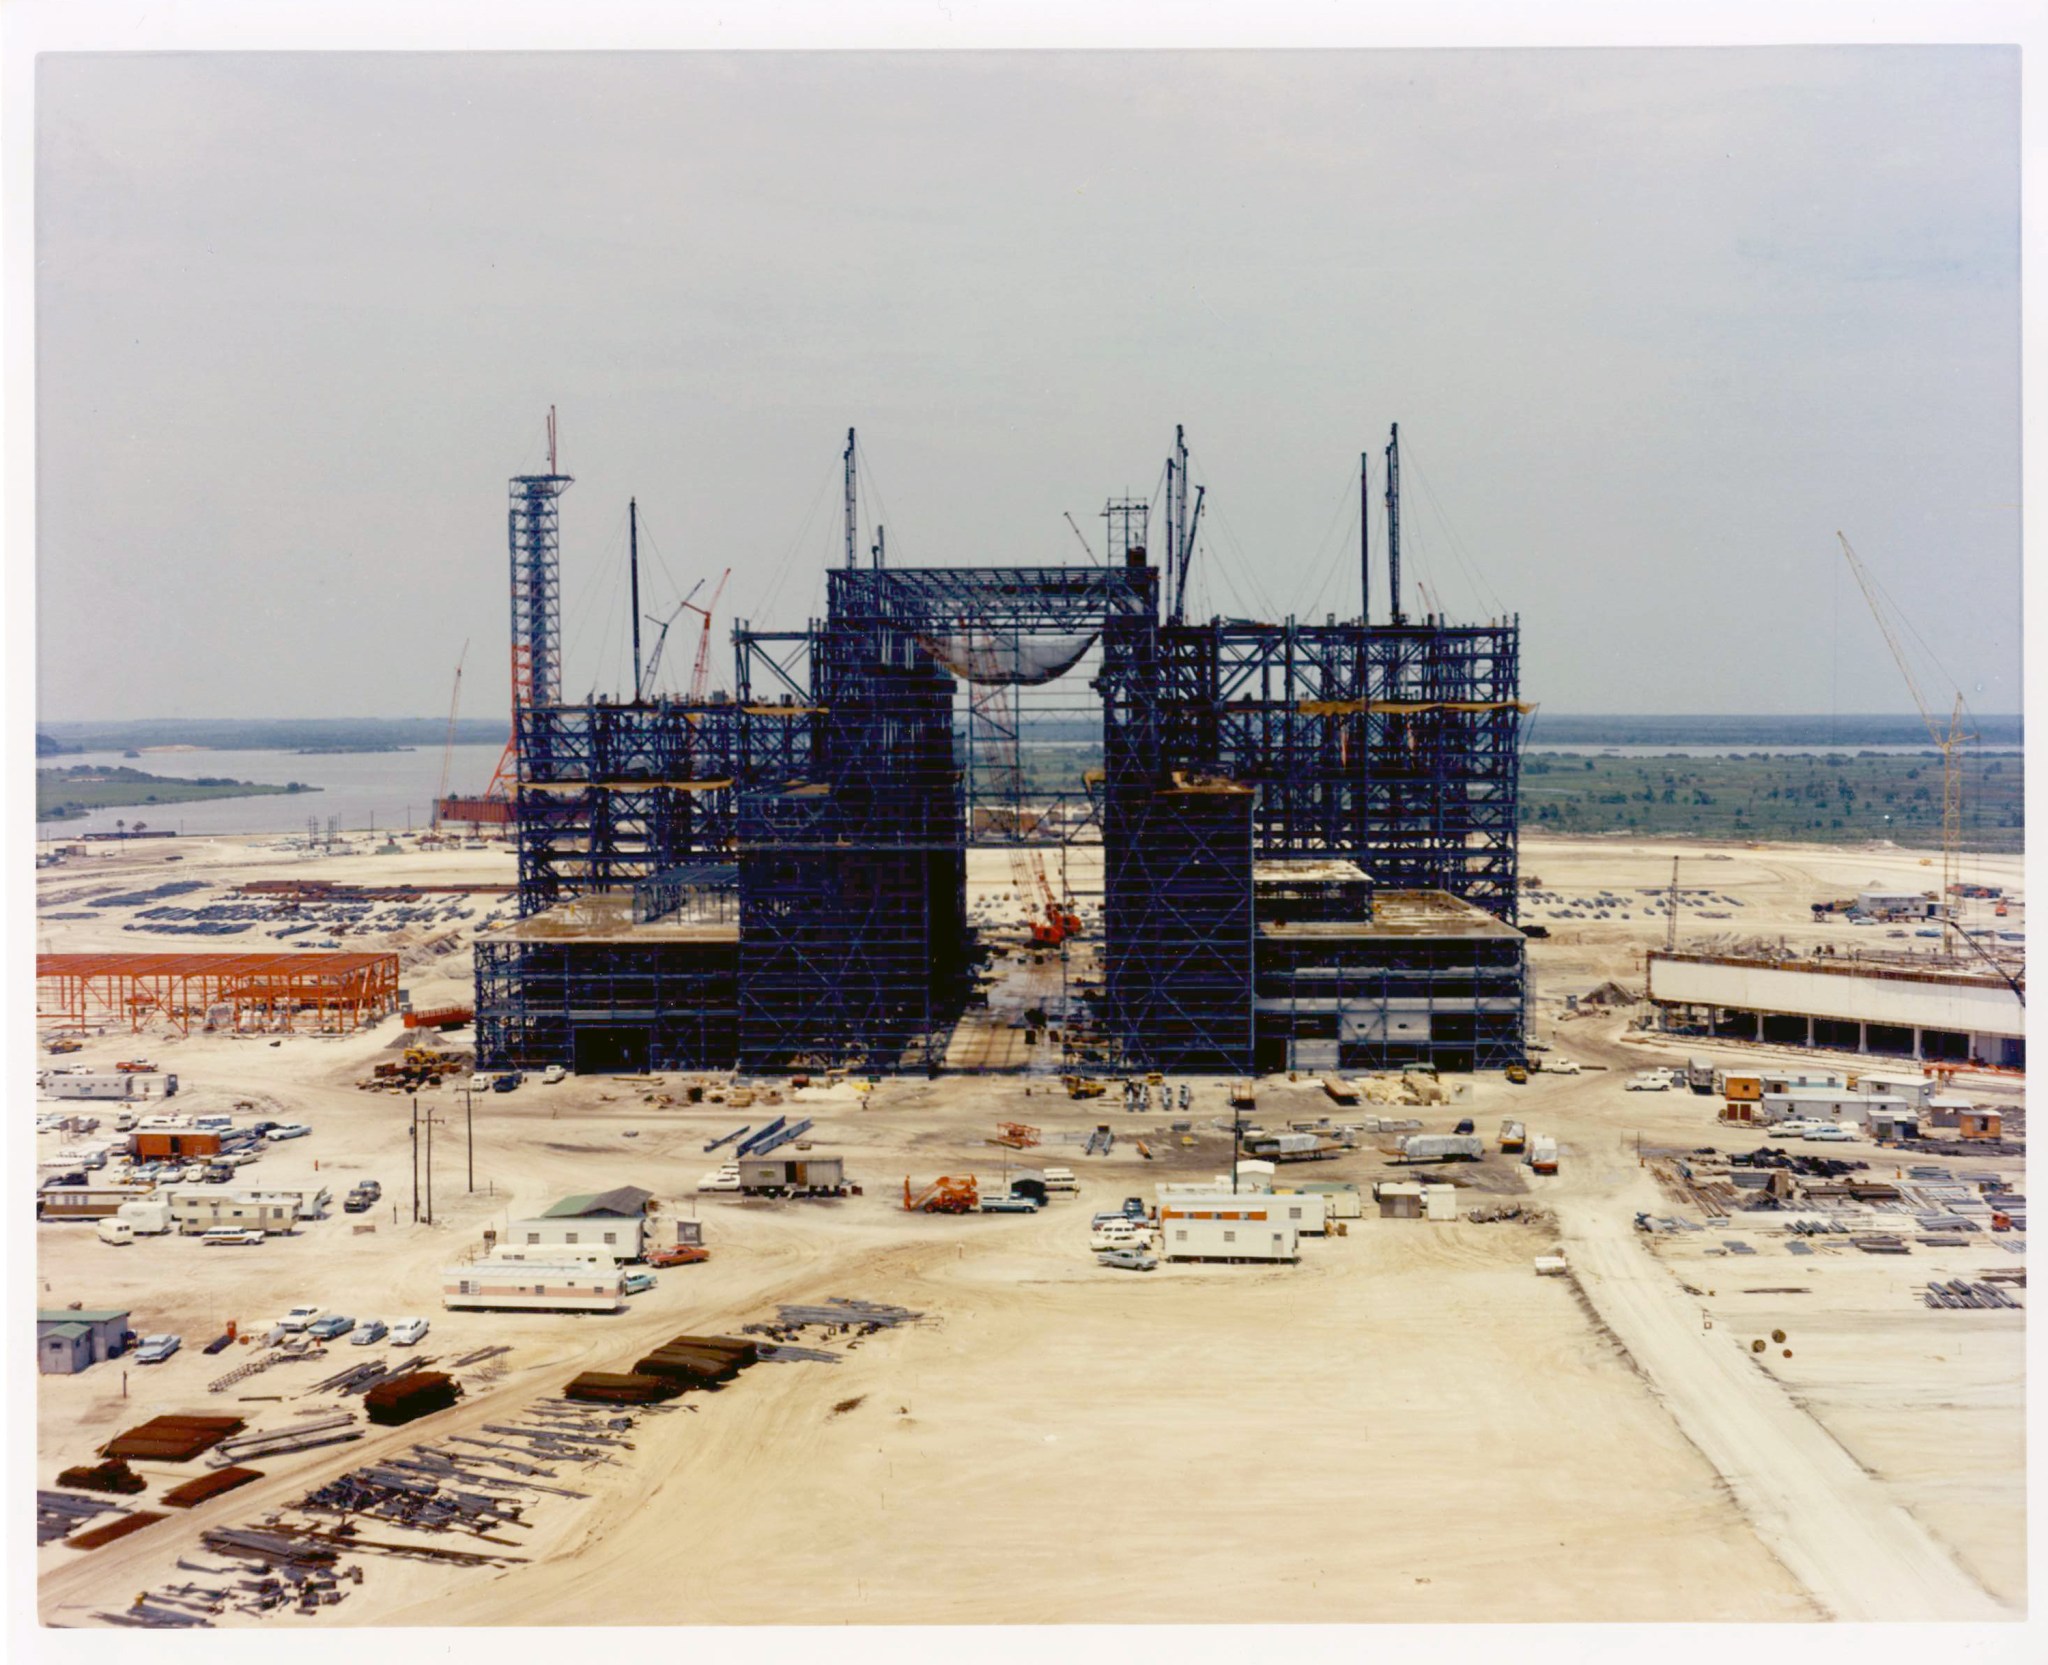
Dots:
pixel 359 789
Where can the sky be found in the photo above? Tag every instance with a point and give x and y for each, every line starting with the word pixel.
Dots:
pixel 1655 324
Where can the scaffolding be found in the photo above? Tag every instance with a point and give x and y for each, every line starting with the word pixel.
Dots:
pixel 323 992
pixel 789 867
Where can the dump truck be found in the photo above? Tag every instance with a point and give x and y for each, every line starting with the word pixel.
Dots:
pixel 1442 1147
pixel 1081 1086
pixel 1543 1154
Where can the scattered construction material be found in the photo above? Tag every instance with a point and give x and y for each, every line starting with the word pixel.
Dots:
pixel 621 1388
pixel 58 1512
pixel 173 1439
pixel 114 1476
pixel 99 1536
pixel 330 1428
pixel 406 1398
pixel 198 1490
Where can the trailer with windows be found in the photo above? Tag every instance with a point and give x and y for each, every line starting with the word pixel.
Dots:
pixel 502 1284
pixel 1306 1213
pixel 1251 1234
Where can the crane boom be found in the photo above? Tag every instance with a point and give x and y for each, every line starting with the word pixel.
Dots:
pixel 701 671
pixel 448 746
pixel 1949 742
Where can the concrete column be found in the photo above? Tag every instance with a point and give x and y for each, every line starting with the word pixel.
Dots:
pixel 1862 1037
pixel 1809 1029
pixel 1916 1043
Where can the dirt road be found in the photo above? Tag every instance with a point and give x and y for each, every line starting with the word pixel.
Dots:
pixel 1855 1551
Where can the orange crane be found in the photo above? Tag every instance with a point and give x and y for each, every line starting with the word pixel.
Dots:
pixel 1059 923
pixel 945 1195
pixel 701 672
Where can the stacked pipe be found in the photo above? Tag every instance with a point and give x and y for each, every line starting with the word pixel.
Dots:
pixel 603 1387
pixel 695 1361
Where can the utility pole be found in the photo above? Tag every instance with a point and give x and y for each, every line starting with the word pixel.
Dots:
pixel 469 1128
pixel 415 1159
pixel 633 524
pixel 852 555
pixel 430 1167
pixel 1394 525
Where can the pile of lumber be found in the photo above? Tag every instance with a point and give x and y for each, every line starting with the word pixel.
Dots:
pixel 112 1476
pixel 696 1360
pixel 209 1485
pixel 603 1387
pixel 403 1399
pixel 102 1535
pixel 173 1439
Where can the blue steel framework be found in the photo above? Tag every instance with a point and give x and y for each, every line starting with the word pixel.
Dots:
pixel 832 783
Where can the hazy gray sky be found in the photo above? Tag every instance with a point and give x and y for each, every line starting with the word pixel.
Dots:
pixel 1654 323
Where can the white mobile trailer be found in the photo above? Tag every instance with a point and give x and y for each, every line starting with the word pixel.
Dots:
pixel 1442 1147
pixel 106 1084
pixel 1307 1213
pixel 501 1284
pixel 782 1173
pixel 145 1219
pixel 1832 1104
pixel 1262 1240
pixel 197 1212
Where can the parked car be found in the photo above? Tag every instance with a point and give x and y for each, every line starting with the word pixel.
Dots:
pixel 481 1081
pixel 261 1127
pixel 507 1082
pixel 217 1173
pixel 1464 1126
pixel 334 1324
pixel 552 1074
pixel 370 1188
pixel 1518 1074
pixel 1560 1066
pixel 156 1348
pixel 678 1254
pixel 369 1332
pixel 725 1179
pixel 406 1331
pixel 357 1202
pixel 1649 1081
pixel 290 1130
pixel 1129 1260
pixel 195 1174
pixel 635 1282
pixel 231 1237
pixel 299 1317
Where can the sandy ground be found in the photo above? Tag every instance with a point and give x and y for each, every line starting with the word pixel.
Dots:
pixel 1422 1428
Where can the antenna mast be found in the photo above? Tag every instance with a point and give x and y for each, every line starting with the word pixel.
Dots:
pixel 1394 524
pixel 852 554
pixel 633 535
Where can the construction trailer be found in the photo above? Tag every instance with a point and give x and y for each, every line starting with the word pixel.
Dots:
pixel 776 881
pixel 759 1174
pixel 1248 1234
pixel 503 1284
pixel 106 1084
pixel 209 1208
pixel 1831 1104
pixel 88 1202
pixel 1305 1213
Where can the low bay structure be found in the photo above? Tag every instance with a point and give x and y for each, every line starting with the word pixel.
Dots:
pixel 70 1339
pixel 1948 1015
pixel 615 1223
pixel 1309 831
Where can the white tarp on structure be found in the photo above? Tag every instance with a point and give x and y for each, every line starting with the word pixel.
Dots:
pixel 1016 659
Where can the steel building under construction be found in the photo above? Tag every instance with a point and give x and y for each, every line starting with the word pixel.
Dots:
pixel 1308 831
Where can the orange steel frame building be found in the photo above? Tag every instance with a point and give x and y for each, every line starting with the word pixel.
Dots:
pixel 317 991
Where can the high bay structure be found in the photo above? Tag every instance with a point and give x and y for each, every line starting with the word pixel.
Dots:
pixel 1308 831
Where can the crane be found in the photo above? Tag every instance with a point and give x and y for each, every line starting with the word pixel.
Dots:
pixel 1077 533
pixel 1671 912
pixel 448 747
pixel 661 641
pixel 702 669
pixel 1949 742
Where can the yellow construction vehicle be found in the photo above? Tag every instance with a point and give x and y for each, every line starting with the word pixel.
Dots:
pixel 1081 1086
